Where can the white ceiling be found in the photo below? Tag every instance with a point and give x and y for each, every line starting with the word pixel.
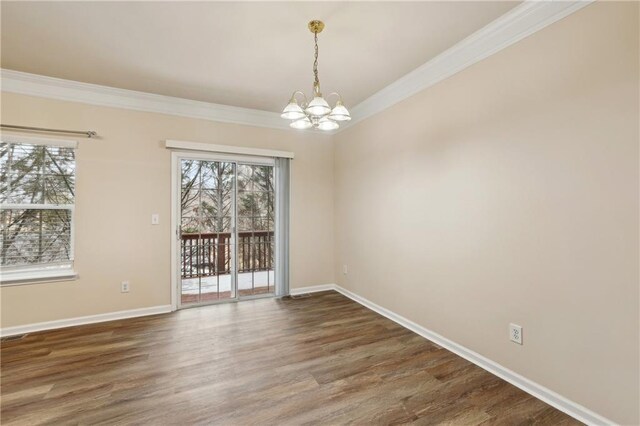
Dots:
pixel 246 54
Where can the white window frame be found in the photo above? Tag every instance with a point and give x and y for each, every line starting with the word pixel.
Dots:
pixel 50 272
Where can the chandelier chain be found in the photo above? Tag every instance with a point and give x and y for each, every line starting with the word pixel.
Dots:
pixel 316 84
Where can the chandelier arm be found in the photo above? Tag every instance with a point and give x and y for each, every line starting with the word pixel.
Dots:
pixel 334 93
pixel 306 101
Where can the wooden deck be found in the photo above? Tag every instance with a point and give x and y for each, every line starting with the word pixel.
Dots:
pixel 322 359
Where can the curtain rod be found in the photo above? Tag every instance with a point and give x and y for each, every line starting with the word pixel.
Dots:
pixel 88 133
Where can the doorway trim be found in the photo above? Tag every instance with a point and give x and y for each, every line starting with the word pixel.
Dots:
pixel 226 149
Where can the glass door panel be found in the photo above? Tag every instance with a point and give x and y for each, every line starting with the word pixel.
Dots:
pixel 207 237
pixel 256 219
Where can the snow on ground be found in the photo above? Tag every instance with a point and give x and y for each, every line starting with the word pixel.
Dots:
pixel 209 284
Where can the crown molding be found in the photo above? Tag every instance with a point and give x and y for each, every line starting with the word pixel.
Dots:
pixel 93 94
pixel 520 22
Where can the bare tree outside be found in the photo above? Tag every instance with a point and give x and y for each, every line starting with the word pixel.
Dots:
pixel 207 199
pixel 255 198
pixel 206 196
pixel 37 191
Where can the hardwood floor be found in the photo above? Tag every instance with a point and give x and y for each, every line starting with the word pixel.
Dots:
pixel 322 359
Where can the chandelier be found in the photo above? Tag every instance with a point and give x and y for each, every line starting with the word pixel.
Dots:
pixel 316 113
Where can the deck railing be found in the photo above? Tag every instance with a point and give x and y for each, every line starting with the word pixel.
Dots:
pixel 205 255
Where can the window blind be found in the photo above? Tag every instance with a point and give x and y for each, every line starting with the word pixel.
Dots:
pixel 37 200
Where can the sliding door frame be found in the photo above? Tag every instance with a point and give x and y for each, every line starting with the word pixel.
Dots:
pixel 176 215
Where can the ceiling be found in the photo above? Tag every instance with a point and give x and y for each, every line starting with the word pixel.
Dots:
pixel 245 54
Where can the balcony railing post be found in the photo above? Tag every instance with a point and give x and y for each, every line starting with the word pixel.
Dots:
pixel 222 253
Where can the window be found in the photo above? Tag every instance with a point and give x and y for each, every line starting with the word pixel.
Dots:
pixel 37 197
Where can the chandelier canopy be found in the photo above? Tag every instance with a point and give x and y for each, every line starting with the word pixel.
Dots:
pixel 317 113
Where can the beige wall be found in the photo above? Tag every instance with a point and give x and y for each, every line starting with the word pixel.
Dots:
pixel 125 176
pixel 509 193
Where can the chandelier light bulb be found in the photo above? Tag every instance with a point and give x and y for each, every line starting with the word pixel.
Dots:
pixel 318 107
pixel 292 111
pixel 326 124
pixel 340 113
pixel 301 124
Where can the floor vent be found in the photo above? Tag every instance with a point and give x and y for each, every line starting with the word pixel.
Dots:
pixel 12 338
pixel 300 296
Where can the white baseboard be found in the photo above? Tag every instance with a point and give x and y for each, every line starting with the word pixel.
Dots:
pixel 563 404
pixel 111 316
pixel 312 289
pixel 90 319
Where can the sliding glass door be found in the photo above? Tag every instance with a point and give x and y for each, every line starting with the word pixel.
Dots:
pixel 226 230
pixel 256 223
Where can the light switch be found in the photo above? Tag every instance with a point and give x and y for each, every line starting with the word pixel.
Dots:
pixel 155 219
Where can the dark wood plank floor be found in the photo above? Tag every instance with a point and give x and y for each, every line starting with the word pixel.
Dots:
pixel 323 359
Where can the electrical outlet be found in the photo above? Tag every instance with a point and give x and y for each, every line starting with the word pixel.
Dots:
pixel 345 269
pixel 515 333
pixel 124 287
pixel 155 219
